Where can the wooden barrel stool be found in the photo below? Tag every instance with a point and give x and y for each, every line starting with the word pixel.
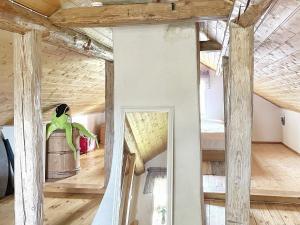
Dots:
pixel 60 160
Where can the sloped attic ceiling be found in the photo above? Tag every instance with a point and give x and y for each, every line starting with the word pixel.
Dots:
pixel 277 46
pixel 277 53
pixel 276 50
pixel 67 77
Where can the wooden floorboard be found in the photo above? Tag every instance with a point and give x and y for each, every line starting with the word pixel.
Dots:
pixel 275 175
pixel 91 170
pixel 68 190
pixel 74 210
pixel 260 214
pixel 71 201
pixel 262 196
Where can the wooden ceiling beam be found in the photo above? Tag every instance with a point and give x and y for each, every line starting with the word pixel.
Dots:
pixel 252 15
pixel 129 14
pixel 17 19
pixel 210 45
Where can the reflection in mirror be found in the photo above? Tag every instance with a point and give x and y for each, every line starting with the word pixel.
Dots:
pixel 146 179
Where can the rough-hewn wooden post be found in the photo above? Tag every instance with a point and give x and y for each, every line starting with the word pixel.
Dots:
pixel 28 130
pixel 238 117
pixel 225 68
pixel 109 117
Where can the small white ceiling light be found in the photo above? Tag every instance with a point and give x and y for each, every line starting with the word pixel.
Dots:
pixel 96 4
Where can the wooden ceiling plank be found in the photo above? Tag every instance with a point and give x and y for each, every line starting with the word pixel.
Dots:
pixel 278 15
pixel 282 42
pixel 117 15
pixel 250 17
pixel 45 7
pixel 65 70
pixel 17 19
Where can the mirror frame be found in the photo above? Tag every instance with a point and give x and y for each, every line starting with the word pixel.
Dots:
pixel 170 149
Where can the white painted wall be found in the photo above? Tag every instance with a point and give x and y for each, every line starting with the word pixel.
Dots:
pixel 291 129
pixel 266 121
pixel 213 103
pixel 90 121
pixel 266 116
pixel 142 204
pixel 155 65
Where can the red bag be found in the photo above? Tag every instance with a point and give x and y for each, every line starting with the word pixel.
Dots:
pixel 83 143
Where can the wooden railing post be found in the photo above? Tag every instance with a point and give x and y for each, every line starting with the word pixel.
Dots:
pixel 28 130
pixel 238 86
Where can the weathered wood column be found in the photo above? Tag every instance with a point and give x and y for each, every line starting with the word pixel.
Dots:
pixel 28 130
pixel 238 122
pixel 225 68
pixel 109 118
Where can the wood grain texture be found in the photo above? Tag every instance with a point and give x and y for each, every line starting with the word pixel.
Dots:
pixel 45 7
pixel 60 158
pixel 260 214
pixel 129 14
pixel 275 175
pixel 109 117
pixel 252 15
pixel 219 30
pixel 73 209
pixel 70 211
pixel 66 78
pixel 73 188
pixel 276 51
pixel 15 18
pixel 262 196
pixel 238 125
pixel 28 130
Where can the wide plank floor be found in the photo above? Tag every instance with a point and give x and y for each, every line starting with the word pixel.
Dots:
pixel 268 163
pixel 70 210
pixel 274 168
pixel 57 211
pixel 261 214
pixel 82 211
pixel 91 169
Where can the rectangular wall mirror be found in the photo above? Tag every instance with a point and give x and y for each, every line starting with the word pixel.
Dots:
pixel 147 176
